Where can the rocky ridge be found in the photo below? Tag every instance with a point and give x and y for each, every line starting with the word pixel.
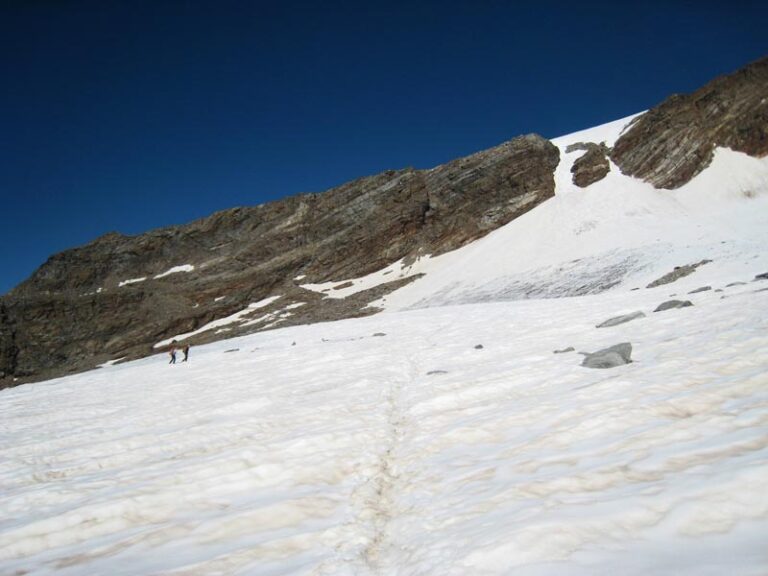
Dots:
pixel 119 295
pixel 675 141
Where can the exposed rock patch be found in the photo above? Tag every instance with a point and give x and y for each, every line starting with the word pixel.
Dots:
pixel 565 350
pixel 702 289
pixel 592 166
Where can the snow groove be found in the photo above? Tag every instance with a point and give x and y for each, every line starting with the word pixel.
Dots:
pixel 388 478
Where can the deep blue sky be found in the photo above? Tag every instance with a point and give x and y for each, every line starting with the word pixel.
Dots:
pixel 130 115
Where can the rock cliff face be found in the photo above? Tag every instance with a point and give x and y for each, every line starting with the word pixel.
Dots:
pixel 119 295
pixel 675 141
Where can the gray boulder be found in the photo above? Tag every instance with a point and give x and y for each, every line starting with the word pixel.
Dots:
pixel 670 304
pixel 702 289
pixel 564 350
pixel 615 321
pixel 763 276
pixel 616 355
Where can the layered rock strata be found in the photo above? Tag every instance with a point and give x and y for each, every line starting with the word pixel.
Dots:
pixel 119 295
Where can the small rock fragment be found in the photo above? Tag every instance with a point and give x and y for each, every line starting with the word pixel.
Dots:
pixel 564 350
pixel 702 289
pixel 479 347
pixel 763 276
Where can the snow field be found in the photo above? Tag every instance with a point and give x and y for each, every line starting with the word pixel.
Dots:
pixel 342 454
pixel 456 443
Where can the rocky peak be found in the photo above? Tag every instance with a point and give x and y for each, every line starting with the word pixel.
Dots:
pixel 672 143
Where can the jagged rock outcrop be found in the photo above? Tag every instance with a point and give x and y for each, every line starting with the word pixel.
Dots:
pixel 592 166
pixel 119 295
pixel 672 143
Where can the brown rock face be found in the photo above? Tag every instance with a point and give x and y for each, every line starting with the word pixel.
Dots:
pixel 675 141
pixel 77 310
pixel 592 166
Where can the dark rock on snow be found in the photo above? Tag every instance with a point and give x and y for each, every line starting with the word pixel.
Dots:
pixel 616 355
pixel 564 350
pixel 763 276
pixel 677 273
pixel 671 304
pixel 615 321
pixel 592 166
pixel 702 289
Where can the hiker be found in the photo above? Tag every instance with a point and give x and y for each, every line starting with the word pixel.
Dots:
pixel 172 352
pixel 186 352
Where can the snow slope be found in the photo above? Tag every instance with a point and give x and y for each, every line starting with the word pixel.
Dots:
pixel 443 437
pixel 408 453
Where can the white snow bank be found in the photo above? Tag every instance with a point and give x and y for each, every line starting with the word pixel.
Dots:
pixel 131 281
pixel 175 270
pixel 410 453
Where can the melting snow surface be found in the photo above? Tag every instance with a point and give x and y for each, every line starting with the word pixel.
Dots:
pixel 410 453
